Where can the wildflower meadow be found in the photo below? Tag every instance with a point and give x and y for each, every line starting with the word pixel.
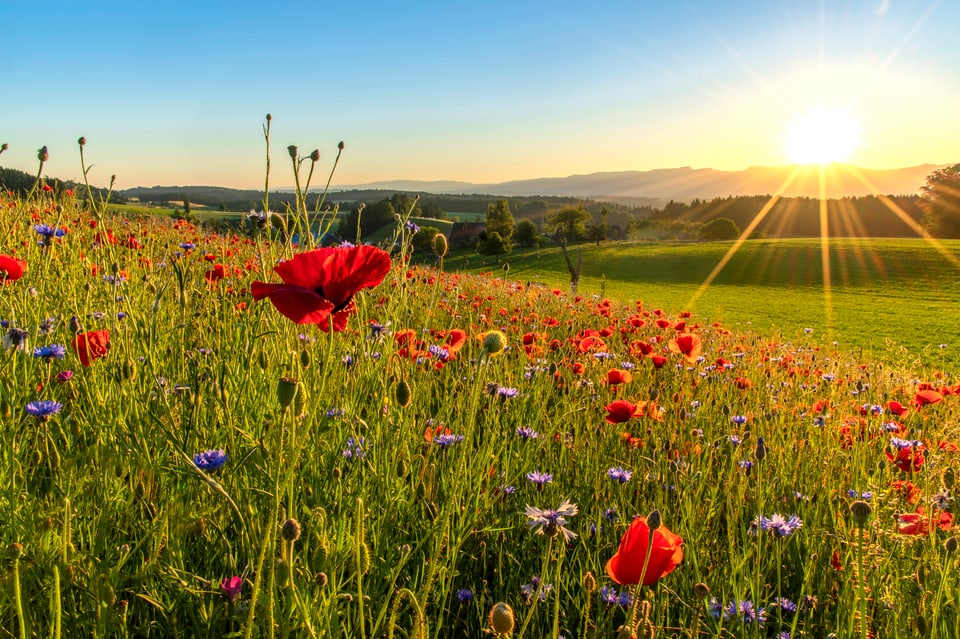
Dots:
pixel 210 434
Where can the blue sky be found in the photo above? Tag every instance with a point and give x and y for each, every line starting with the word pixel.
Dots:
pixel 176 92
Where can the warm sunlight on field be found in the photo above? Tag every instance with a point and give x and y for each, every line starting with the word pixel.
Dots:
pixel 822 135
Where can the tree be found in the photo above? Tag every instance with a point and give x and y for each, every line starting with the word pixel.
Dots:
pixel 494 244
pixel 569 223
pixel 597 231
pixel 526 233
pixel 940 202
pixel 721 228
pixel 433 211
pixel 500 219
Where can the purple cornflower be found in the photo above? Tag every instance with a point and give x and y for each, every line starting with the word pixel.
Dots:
pixel 785 604
pixel 525 433
pixel 856 494
pixel 50 353
pixel 48 232
pixel 464 595
pixel 335 412
pixel 618 474
pixel 780 526
pixel 535 587
pixel 439 352
pixel 16 338
pixel 736 440
pixel 901 444
pixel 739 419
pixel 187 246
pixel 538 478
pixel 551 522
pixel 42 409
pixel 378 330
pixel 412 227
pixel 744 611
pixel 210 460
pixel 64 376
pixel 746 465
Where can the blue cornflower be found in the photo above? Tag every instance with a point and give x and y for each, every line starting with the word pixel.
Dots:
pixel 48 232
pixel 780 526
pixel 412 227
pixel 901 444
pixel 378 330
pixel 464 595
pixel 525 433
pixel 528 590
pixel 736 440
pixel 42 409
pixel 785 604
pixel 187 246
pixel 610 514
pixel 210 460
pixel 49 353
pixel 346 244
pixel 447 439
pixel 611 597
pixel 439 352
pixel 355 448
pixel 855 494
pixel 551 522
pixel 16 339
pixel 619 474
pixel 538 478
pixel 746 464
pixel 739 419
pixel 744 611
pixel 503 392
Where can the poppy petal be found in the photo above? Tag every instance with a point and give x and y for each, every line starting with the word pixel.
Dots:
pixel 300 305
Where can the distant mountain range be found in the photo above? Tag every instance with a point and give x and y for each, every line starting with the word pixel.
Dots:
pixel 686 183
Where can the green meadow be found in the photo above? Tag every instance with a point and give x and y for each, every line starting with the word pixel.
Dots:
pixel 894 299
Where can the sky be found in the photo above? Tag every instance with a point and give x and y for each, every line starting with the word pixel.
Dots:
pixel 176 93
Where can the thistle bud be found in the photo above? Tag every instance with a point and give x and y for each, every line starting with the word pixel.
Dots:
pixel 501 619
pixel 287 388
pixel 42 154
pixel 653 521
pixel 403 394
pixel 290 530
pixel 292 150
pixel 494 342
pixel 315 155
pixel 440 245
pixel 82 141
pixel 860 511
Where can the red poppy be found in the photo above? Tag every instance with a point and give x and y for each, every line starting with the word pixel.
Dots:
pixel 321 283
pixel 688 345
pixel 621 411
pixel 658 361
pixel 91 346
pixel 617 376
pixel 11 269
pixel 924 397
pixel 917 523
pixel 907 459
pixel 215 274
pixel 897 408
pixel 666 553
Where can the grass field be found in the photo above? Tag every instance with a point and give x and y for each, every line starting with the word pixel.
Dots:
pixel 896 299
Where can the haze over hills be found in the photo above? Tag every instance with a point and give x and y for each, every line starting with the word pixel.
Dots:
pixel 686 183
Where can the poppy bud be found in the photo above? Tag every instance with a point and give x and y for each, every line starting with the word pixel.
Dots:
pixel 287 388
pixel 315 155
pixel 300 401
pixel 82 141
pixel 501 618
pixel 653 521
pixel 402 393
pixel 950 545
pixel 494 342
pixel 701 591
pixel 440 244
pixel 292 150
pixel 290 530
pixel 340 145
pixel 506 267
pixel 4 147
pixel 305 358
pixel 15 549
pixel 321 579
pixel 860 511
pixel 269 117
pixel 42 154
pixel 948 478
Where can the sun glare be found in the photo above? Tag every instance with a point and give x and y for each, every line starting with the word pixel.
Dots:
pixel 822 135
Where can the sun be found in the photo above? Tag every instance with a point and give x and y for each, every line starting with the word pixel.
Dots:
pixel 822 135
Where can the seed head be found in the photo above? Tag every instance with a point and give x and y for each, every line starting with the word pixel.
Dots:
pixel 701 591
pixel 494 342
pixel 4 147
pixel 440 245
pixel 292 150
pixel 287 388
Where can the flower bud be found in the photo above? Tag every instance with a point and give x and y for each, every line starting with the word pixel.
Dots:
pixel 701 591
pixel 290 530
pixel 340 145
pixel 761 451
pixel 82 141
pixel 589 582
pixel 950 545
pixel 315 155
pixel 4 147
pixel 653 521
pixel 287 388
pixel 292 150
pixel 501 618
pixel 494 342
pixel 440 245
pixel 860 511
pixel 948 478
pixel 269 117
pixel 42 154
pixel 403 394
